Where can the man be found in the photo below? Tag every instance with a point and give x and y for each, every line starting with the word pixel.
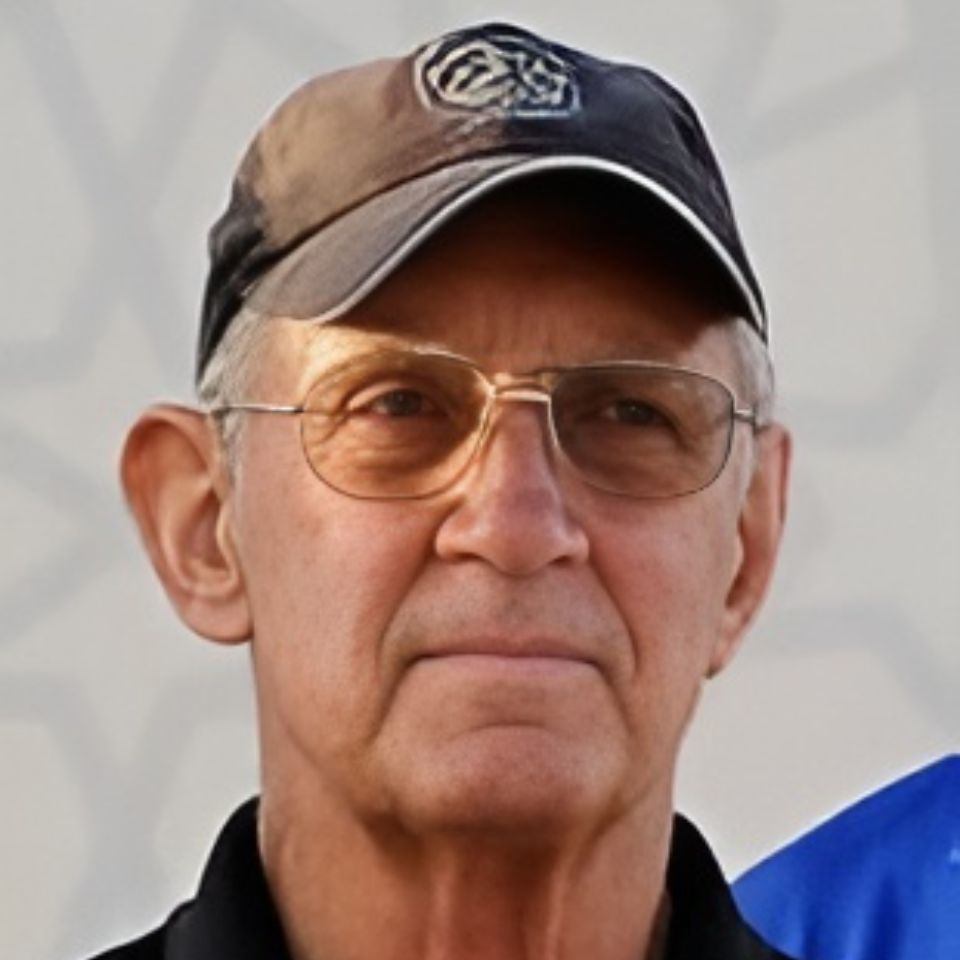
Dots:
pixel 486 477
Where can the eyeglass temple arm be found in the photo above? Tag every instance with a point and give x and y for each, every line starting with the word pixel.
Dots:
pixel 748 415
pixel 254 408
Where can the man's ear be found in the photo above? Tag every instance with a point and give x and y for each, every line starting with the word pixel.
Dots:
pixel 178 491
pixel 760 529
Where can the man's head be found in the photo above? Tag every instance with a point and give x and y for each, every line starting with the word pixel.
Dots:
pixel 466 623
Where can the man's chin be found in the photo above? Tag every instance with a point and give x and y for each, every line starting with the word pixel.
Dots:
pixel 507 780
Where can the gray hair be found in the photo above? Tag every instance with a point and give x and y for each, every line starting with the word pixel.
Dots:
pixel 230 373
pixel 754 368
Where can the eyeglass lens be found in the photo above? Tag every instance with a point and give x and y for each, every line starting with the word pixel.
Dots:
pixel 403 424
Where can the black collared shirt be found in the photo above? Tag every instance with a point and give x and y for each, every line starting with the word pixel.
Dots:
pixel 233 916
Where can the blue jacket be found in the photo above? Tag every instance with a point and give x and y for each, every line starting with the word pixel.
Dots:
pixel 879 881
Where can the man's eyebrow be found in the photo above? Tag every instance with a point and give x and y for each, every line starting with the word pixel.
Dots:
pixel 329 341
pixel 325 336
pixel 315 331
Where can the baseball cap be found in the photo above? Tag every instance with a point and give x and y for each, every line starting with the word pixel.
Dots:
pixel 357 168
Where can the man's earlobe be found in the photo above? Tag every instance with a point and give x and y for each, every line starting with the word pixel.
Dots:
pixel 760 530
pixel 178 493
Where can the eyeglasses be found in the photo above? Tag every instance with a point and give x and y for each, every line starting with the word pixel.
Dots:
pixel 405 424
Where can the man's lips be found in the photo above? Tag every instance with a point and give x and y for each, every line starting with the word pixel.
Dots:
pixel 510 653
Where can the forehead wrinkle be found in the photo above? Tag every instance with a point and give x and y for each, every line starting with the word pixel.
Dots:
pixel 497 347
pixel 495 324
pixel 329 346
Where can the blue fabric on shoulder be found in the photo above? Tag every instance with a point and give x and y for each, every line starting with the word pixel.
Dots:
pixel 878 881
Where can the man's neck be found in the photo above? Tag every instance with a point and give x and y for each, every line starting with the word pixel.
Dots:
pixel 348 889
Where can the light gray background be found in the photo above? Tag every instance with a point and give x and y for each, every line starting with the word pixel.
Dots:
pixel 125 741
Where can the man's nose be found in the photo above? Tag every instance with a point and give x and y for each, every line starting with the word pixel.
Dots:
pixel 511 511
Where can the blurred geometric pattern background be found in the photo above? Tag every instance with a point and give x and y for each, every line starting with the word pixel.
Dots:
pixel 125 741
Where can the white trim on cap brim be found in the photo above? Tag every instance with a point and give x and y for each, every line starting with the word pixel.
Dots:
pixel 526 167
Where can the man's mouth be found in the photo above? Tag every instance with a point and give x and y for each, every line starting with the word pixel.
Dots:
pixel 509 654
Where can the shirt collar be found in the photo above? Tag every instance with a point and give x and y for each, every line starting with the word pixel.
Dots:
pixel 234 916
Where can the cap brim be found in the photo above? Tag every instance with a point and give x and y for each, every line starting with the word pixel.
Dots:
pixel 342 263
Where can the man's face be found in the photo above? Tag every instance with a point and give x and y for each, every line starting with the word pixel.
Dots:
pixel 521 648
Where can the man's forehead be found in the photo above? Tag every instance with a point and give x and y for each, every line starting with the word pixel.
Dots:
pixel 560 269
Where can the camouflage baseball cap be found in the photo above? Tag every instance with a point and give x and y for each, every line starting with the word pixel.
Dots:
pixel 357 168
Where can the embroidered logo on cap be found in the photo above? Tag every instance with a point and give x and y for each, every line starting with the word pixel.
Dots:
pixel 499 72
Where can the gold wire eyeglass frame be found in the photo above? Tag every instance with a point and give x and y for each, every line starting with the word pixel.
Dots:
pixel 535 386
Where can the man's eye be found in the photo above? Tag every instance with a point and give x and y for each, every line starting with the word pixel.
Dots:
pixel 399 402
pixel 635 413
